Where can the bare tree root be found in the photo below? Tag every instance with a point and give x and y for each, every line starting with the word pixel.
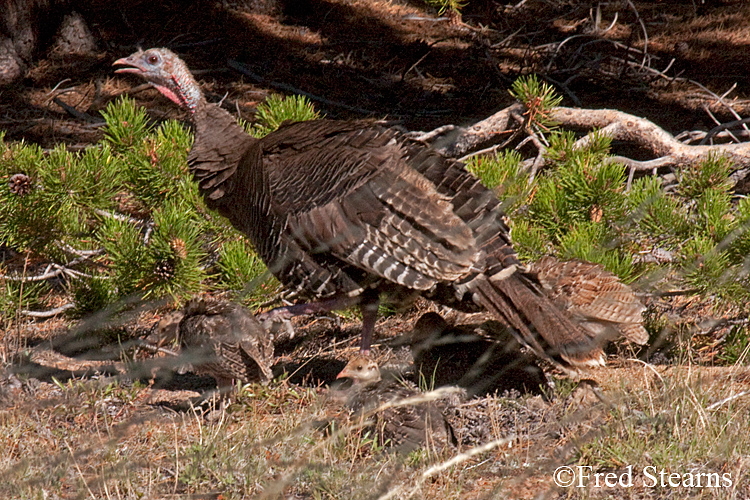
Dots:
pixel 668 152
pixel 463 140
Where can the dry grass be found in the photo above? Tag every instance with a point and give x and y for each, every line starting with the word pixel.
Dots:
pixel 103 438
pixel 99 438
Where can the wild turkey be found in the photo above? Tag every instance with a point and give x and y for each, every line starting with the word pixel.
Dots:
pixel 405 426
pixel 594 297
pixel 220 339
pixel 346 211
pixel 481 358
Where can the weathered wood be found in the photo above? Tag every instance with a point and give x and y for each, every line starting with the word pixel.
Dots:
pixel 667 151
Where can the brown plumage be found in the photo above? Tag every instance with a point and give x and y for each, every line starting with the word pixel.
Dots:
pixel 481 358
pixel 382 402
pixel 220 339
pixel 596 298
pixel 344 212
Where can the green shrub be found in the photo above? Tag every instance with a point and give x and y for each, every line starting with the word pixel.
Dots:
pixel 278 109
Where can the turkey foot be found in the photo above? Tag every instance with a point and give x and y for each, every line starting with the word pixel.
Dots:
pixel 277 319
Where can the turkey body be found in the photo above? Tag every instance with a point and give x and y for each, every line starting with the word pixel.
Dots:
pixel 596 298
pixel 394 410
pixel 220 339
pixel 333 206
pixel 341 209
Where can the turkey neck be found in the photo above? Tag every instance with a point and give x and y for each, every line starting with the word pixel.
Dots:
pixel 227 163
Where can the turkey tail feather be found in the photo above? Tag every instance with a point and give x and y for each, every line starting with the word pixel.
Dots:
pixel 537 322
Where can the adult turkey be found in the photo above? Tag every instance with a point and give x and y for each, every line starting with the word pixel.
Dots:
pixel 347 211
pixel 398 413
pixel 220 339
pixel 594 297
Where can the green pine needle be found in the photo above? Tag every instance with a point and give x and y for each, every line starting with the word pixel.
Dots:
pixel 444 6
pixel 127 125
pixel 277 109
pixel 539 99
pixel 710 173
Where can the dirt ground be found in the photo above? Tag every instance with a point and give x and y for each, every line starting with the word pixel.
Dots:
pixel 395 60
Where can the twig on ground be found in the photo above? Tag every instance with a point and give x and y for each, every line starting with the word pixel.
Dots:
pixel 154 349
pixel 481 132
pixel 75 113
pixel 491 149
pixel 718 122
pixel 54 89
pixel 47 274
pixel 645 33
pixel 116 216
pixel 717 404
pixel 678 293
pixel 414 66
pixel 147 224
pixel 564 87
pixel 80 253
pixel 435 469
pixel 426 136
pixel 49 313
pixel 714 132
pixel 539 160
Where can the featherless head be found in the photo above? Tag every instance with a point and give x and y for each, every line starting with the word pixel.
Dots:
pixel 361 370
pixel 165 71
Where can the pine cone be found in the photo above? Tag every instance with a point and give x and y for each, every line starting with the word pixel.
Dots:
pixel 20 184
pixel 164 270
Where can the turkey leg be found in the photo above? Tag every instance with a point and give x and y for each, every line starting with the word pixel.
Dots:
pixel 368 303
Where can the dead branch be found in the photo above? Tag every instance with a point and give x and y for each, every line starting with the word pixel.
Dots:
pixel 49 313
pixel 667 151
pixel 47 274
pixel 464 140
pixel 54 270
pixel 75 251
pixel 716 131
pixel 75 113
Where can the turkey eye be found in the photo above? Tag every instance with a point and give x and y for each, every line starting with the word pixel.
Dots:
pixel 152 59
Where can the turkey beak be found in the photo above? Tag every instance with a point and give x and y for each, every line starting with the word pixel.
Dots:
pixel 133 68
pixel 343 374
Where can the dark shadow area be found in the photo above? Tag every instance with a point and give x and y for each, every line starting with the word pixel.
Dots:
pixel 28 370
pixel 311 371
pixel 392 60
pixel 170 380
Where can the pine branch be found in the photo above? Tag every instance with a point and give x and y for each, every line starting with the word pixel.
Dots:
pixel 81 253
